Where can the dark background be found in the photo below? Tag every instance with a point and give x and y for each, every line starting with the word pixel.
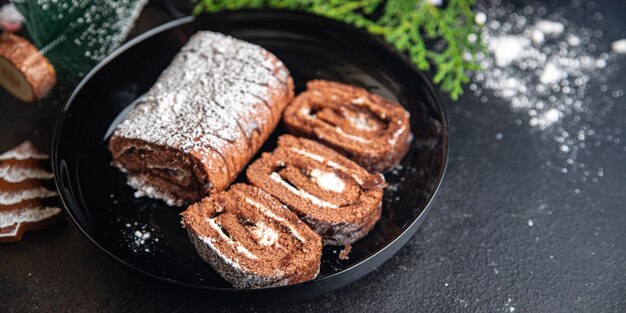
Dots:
pixel 476 251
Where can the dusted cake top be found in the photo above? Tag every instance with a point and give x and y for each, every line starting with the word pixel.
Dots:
pixel 206 96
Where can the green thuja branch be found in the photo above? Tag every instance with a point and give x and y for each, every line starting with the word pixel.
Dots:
pixel 76 35
pixel 407 24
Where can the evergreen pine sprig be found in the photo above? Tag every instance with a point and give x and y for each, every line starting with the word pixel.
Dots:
pixel 406 24
pixel 75 35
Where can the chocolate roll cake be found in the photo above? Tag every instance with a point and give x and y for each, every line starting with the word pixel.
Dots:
pixel 336 197
pixel 205 117
pixel 370 130
pixel 253 240
pixel 22 189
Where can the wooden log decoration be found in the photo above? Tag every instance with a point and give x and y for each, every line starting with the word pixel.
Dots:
pixel 24 71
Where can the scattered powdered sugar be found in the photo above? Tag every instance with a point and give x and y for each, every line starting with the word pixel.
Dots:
pixel 546 67
pixel 619 46
pixel 552 74
pixel 509 306
pixel 549 27
pixel 328 180
pixel 507 49
pixel 139 238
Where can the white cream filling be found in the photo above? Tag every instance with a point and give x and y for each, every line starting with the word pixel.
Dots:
pixel 328 180
pixel 360 122
pixel 353 137
pixel 143 188
pixel 329 163
pixel 271 215
pixel 240 248
pixel 265 235
pixel 315 200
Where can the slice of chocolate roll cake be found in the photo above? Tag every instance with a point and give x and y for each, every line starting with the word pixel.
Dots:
pixel 336 197
pixel 253 240
pixel 372 131
pixel 205 117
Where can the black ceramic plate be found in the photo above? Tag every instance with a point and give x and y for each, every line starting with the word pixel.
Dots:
pixel 105 209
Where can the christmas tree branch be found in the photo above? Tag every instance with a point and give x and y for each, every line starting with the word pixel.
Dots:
pixel 403 23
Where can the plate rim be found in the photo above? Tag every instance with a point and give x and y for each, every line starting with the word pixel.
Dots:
pixel 377 258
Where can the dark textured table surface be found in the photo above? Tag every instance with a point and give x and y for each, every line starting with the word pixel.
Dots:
pixel 509 231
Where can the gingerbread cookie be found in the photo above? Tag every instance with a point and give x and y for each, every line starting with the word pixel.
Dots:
pixel 22 190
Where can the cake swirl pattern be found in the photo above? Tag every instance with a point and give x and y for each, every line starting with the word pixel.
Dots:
pixel 205 117
pixel 372 131
pixel 336 197
pixel 253 240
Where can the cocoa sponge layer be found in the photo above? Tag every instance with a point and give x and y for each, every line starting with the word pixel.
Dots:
pixel 253 240
pixel 370 130
pixel 206 116
pixel 336 197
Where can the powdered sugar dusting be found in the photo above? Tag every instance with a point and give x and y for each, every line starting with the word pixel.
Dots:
pixel 13 174
pixel 199 100
pixel 545 67
pixel 550 27
pixel 138 237
pixel 13 197
pixel 26 215
pixel 619 46
pixel 23 152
